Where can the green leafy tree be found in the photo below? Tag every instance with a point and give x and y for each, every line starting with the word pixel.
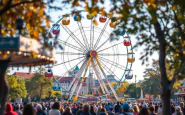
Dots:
pixel 159 26
pixel 17 87
pixel 151 83
pixel 39 85
pixel 36 23
pixel 132 90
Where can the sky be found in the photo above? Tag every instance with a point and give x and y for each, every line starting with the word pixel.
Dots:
pixel 137 68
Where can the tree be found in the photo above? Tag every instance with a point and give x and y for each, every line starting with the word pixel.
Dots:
pixel 159 26
pixel 39 85
pixel 151 83
pixel 33 13
pixel 132 90
pixel 17 87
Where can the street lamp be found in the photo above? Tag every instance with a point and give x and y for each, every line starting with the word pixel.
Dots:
pixel 136 85
pixel 19 25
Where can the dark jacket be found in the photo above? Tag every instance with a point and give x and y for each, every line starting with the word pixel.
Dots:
pixel 66 113
pixel 79 112
pixel 116 108
pixel 40 112
pixel 102 113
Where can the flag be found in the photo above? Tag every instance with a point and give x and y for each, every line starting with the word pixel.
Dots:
pixel 141 96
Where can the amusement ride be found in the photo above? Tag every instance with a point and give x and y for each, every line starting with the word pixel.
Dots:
pixel 89 43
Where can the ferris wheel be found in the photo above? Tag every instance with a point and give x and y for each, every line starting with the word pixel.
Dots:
pixel 88 43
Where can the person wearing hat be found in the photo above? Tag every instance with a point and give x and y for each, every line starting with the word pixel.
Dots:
pixel 126 109
pixel 9 109
pixel 178 111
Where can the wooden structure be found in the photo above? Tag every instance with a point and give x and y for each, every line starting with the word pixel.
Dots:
pixel 181 92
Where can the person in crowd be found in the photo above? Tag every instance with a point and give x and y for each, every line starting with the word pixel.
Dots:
pixel 159 112
pixel 28 110
pixel 126 109
pixel 95 108
pixel 39 110
pixel 61 110
pixel 117 107
pixel 152 110
pixel 92 110
pixel 9 109
pixel 182 107
pixel 108 106
pixel 136 110
pixel 67 111
pixel 79 110
pixel 172 108
pixel 103 112
pixel 120 111
pixel 156 107
pixel 110 112
pixel 55 109
pixel 74 109
pixel 45 110
pixel 177 111
pixel 99 110
pixel 143 111
pixel 86 110
pixel 17 109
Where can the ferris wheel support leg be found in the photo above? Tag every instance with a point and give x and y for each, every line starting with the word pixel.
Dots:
pixel 77 80
pixel 83 78
pixel 115 95
pixel 99 80
pixel 103 84
pixel 76 76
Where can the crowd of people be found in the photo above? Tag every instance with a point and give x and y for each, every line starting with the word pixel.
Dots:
pixel 57 108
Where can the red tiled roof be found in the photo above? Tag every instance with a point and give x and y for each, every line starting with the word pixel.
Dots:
pixel 65 79
pixel 24 75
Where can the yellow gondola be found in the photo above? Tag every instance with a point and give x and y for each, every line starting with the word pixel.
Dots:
pixel 65 22
pixel 131 57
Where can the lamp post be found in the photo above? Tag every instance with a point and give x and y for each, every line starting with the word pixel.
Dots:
pixel 19 25
pixel 136 85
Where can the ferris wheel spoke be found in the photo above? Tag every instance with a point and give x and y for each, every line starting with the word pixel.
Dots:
pixel 105 54
pixel 110 47
pixel 109 70
pixel 68 61
pixel 83 34
pixel 91 35
pixel 112 63
pixel 71 69
pixel 74 37
pixel 69 53
pixel 102 32
pixel 70 45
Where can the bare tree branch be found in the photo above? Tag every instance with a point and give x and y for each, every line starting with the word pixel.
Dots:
pixel 7 7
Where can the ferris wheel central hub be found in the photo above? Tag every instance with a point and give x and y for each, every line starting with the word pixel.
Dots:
pixel 92 53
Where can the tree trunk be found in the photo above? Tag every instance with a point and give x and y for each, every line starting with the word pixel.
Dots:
pixel 165 95
pixel 3 85
pixel 165 83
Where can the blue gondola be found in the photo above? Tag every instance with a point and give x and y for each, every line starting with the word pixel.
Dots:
pixel 77 17
pixel 120 31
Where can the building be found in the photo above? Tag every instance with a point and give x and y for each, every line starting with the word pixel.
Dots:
pixel 24 75
pixel 181 92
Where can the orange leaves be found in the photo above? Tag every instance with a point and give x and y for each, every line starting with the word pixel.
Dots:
pixel 95 22
pixel 29 14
